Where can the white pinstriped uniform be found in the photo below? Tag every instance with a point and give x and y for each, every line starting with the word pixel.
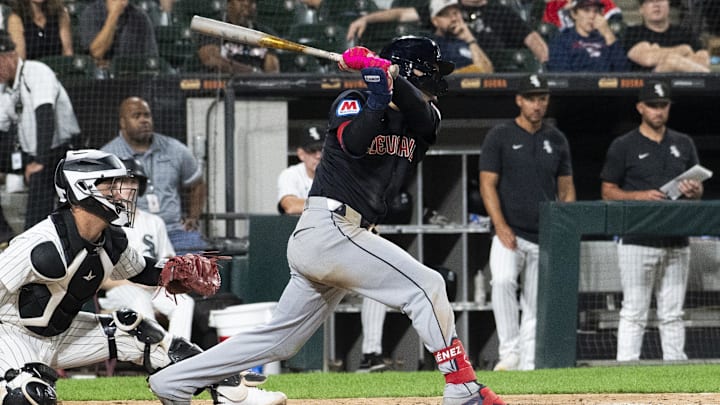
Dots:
pixel 149 237
pixel 516 337
pixel 84 342
pixel 643 266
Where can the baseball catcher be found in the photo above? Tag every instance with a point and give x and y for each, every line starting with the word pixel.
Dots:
pixel 53 268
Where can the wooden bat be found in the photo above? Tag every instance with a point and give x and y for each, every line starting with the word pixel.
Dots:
pixel 243 35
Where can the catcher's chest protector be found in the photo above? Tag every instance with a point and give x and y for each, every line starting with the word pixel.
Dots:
pixel 48 307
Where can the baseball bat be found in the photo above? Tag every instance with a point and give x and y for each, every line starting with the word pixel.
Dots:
pixel 248 36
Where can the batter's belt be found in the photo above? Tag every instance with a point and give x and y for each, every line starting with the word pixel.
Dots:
pixel 341 209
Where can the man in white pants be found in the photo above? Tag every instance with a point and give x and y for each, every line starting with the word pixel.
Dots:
pixel 149 237
pixel 523 163
pixel 293 186
pixel 636 166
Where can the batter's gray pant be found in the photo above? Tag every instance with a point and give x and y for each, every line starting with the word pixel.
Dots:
pixel 329 255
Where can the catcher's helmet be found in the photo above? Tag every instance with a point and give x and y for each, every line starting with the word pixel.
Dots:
pixel 135 169
pixel 423 54
pixel 78 175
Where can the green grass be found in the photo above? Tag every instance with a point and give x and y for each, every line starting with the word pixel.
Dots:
pixel 626 379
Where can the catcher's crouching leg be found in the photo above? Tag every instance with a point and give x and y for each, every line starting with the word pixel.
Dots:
pixel 160 349
pixel 33 384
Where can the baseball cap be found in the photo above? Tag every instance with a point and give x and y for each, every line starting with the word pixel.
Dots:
pixel 586 3
pixel 312 139
pixel 533 83
pixel 654 90
pixel 436 6
pixel 6 43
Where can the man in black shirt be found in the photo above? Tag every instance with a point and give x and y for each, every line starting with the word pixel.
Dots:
pixel 637 165
pixel 658 46
pixel 523 163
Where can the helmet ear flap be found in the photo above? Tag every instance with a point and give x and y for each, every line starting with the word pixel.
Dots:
pixel 61 185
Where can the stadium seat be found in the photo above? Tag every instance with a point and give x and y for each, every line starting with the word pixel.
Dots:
pixel 175 44
pixel 278 14
pixel 330 37
pixel 184 10
pixel 79 66
pixel 547 30
pixel 343 12
pixel 124 66
pixel 514 61
pixel 378 35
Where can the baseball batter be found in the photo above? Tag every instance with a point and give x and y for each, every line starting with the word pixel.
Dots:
pixel 636 166
pixel 523 163
pixel 374 139
pixel 55 267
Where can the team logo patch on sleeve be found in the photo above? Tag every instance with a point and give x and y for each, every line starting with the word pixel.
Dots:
pixel 348 106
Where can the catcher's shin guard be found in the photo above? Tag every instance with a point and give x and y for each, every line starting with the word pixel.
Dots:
pixel 148 332
pixel 33 384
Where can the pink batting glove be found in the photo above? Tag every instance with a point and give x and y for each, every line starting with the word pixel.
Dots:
pixel 359 57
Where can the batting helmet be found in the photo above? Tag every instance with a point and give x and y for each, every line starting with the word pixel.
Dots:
pixel 78 175
pixel 422 54
pixel 135 169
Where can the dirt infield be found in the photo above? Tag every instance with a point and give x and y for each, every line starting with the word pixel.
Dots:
pixel 575 399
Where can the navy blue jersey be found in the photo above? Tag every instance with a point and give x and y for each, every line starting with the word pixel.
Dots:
pixel 528 166
pixel 396 142
pixel 635 162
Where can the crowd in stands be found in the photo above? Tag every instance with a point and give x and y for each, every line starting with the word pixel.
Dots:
pixel 110 38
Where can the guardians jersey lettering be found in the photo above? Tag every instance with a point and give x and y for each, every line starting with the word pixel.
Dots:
pixel 397 145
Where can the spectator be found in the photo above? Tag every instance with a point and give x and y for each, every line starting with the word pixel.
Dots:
pixel 455 40
pixel 172 170
pixel 590 45
pixel 659 46
pixel 110 28
pixel 44 123
pixel 293 187
pixel 496 27
pixel 40 28
pixel 636 166
pixel 229 57
pixel 149 237
pixel 530 159
pixel 557 13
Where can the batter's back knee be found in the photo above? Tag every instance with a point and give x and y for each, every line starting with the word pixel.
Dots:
pixel 33 384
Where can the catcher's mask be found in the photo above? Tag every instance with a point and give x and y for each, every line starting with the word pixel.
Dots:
pixel 98 182
pixel 422 54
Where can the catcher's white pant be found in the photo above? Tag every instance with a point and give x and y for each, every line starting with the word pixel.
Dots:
pixel 148 300
pixel 372 316
pixel 516 336
pixel 643 269
pixel 328 257
pixel 84 343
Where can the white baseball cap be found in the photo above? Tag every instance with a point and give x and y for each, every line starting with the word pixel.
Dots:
pixel 436 6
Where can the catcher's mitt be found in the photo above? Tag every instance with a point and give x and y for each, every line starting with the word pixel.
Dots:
pixel 191 273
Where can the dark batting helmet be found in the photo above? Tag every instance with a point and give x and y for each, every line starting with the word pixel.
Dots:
pixel 136 170
pixel 422 54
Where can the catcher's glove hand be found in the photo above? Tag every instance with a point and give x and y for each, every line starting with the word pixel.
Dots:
pixel 191 273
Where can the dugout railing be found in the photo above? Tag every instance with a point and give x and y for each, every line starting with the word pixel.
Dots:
pixel 562 228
